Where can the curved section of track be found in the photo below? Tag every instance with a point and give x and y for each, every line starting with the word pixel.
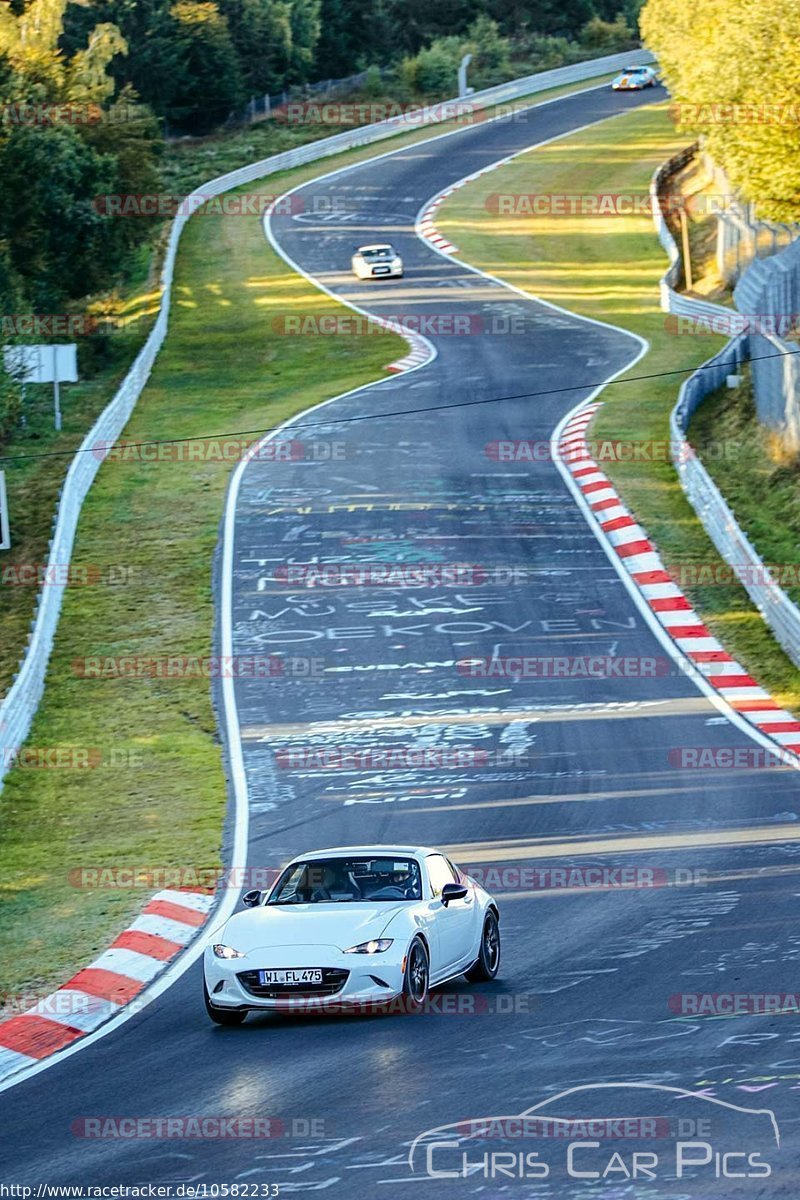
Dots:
pixel 557 770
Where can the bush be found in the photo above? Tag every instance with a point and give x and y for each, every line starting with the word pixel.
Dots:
pixel 372 87
pixel 606 36
pixel 434 71
pixel 491 60
pixel 10 405
pixel 539 52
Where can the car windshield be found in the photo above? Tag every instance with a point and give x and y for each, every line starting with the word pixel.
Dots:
pixel 343 880
pixel 378 252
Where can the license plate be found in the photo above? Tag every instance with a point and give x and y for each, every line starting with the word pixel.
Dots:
pixel 293 977
pixel 381 271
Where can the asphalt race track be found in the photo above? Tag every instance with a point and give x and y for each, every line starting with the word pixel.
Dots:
pixel 566 771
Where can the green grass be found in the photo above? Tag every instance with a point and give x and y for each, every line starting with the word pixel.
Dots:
pixel 608 268
pixel 758 478
pixel 33 483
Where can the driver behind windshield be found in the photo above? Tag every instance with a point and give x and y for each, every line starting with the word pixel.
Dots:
pixel 332 880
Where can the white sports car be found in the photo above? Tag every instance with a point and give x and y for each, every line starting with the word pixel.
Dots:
pixel 378 261
pixel 357 926
pixel 633 79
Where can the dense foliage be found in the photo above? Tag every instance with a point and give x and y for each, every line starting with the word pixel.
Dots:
pixel 733 69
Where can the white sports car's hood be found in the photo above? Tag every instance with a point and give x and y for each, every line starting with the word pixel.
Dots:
pixel 342 925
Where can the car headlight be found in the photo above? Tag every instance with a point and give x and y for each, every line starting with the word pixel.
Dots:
pixel 226 951
pixel 376 946
pixel 397 264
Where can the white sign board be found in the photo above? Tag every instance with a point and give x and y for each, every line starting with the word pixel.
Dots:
pixel 42 364
pixel 5 536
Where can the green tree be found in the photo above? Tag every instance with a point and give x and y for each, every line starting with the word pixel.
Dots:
pixel 491 61
pixel 11 301
pixel 355 33
pixel 154 68
pixel 58 243
pixel 261 32
pixel 606 37
pixel 30 44
pixel 563 18
pixel 211 82
pixel 305 24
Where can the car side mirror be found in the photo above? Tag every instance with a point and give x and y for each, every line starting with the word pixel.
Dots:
pixel 453 891
pixel 252 899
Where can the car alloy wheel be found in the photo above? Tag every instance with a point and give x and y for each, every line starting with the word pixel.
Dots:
pixel 415 983
pixel 488 961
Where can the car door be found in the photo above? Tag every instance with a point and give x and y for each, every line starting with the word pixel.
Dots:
pixel 455 924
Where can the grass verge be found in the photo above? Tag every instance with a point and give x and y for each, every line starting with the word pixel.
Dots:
pixel 608 267
pixel 33 483
pixel 757 476
pixel 157 796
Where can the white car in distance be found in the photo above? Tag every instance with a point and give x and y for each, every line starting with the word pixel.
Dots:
pixel 376 262
pixel 352 927
pixel 634 79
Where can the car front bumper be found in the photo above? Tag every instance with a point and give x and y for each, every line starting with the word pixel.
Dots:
pixel 364 272
pixel 371 979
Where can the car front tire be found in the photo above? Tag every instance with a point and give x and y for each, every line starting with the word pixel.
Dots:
pixel 487 963
pixel 222 1016
pixel 415 980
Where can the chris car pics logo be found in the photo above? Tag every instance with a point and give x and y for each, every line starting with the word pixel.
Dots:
pixel 608 1134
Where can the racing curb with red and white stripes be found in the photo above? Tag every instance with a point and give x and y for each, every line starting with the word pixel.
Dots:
pixel 663 596
pixel 166 925
pixel 419 353
pixel 426 225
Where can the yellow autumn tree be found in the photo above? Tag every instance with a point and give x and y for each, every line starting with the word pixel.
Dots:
pixel 733 70
pixel 29 43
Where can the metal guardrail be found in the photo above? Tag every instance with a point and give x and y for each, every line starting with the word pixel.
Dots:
pixel 780 613
pixel 720 318
pixel 20 703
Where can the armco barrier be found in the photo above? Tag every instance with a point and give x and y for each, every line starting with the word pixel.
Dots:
pixel 782 616
pixel 673 301
pixel 20 703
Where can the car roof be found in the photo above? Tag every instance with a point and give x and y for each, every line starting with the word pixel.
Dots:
pixel 376 246
pixel 376 849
